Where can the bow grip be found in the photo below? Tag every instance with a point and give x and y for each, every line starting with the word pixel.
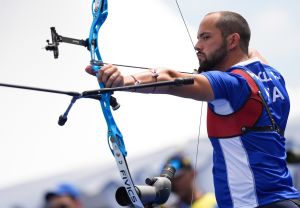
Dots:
pixel 112 100
pixel 95 68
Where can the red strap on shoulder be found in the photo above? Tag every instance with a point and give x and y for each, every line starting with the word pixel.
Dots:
pixel 225 126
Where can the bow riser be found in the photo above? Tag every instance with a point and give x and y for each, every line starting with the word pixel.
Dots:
pixel 114 135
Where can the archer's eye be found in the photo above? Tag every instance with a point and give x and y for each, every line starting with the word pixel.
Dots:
pixel 205 37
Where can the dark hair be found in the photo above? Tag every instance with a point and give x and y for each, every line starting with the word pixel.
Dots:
pixel 231 22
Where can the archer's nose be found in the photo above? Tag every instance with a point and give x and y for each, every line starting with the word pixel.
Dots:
pixel 199 46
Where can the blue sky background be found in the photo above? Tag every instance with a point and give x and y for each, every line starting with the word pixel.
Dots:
pixel 144 33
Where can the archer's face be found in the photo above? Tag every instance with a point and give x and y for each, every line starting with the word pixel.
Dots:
pixel 211 47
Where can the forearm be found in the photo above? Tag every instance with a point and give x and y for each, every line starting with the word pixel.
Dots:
pixel 200 90
pixel 153 76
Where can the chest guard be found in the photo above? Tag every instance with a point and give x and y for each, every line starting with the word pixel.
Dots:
pixel 235 124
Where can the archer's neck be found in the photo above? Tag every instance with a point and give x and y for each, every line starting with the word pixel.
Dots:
pixel 233 58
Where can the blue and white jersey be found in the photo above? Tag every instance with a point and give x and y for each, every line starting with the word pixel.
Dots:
pixel 250 170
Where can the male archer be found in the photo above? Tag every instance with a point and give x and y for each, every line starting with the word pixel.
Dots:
pixel 248 108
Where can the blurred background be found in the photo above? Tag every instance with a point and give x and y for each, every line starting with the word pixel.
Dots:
pixel 36 154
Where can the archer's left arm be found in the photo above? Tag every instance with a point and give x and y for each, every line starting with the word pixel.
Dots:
pixel 200 90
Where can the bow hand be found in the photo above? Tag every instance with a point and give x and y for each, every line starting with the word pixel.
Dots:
pixel 109 75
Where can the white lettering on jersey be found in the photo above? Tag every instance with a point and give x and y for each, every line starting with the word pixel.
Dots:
pixel 277 94
pixel 263 77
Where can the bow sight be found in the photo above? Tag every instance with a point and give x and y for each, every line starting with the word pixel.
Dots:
pixel 56 39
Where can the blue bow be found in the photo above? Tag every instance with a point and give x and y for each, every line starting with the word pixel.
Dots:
pixel 158 189
pixel 114 135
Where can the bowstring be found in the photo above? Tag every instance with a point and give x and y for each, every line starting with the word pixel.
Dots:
pixel 185 25
pixel 197 151
pixel 201 110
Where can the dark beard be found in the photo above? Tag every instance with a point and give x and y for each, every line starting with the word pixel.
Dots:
pixel 215 59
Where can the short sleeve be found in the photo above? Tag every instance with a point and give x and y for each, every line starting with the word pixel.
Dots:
pixel 228 86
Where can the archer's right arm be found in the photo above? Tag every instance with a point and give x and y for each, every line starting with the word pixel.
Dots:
pixel 254 53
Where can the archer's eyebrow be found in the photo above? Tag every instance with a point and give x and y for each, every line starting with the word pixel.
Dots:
pixel 202 34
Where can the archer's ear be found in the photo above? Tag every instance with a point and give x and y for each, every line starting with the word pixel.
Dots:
pixel 233 41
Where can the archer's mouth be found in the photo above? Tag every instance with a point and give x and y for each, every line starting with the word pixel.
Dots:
pixel 201 56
